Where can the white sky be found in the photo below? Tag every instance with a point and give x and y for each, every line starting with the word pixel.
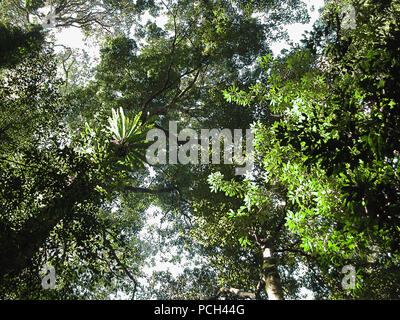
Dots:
pixel 296 30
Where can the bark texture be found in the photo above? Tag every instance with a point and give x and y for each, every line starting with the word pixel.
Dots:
pixel 273 286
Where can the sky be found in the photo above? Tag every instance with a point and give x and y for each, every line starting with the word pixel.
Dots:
pixel 296 30
pixel 73 38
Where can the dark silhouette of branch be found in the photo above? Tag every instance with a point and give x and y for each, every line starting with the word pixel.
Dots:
pixel 234 291
pixel 122 265
pixel 147 190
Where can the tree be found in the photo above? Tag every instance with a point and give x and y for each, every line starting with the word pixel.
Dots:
pixel 17 43
pixel 54 190
pixel 92 17
pixel 75 191
pixel 333 146
pixel 196 63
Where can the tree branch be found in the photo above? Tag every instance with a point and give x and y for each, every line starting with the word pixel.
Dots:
pixel 236 292
pixel 122 265
pixel 147 190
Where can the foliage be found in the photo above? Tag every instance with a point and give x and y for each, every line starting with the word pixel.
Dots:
pixel 17 43
pixel 334 147
pixel 56 204
pixel 93 17
pixel 75 191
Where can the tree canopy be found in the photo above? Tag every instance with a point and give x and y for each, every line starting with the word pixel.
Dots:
pixel 78 193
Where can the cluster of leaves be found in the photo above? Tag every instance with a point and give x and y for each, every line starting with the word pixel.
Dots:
pixel 16 43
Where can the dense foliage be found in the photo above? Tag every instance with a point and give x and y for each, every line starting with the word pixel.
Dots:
pixel 77 193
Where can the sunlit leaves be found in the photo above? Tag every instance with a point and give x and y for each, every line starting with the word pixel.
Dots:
pixel 122 128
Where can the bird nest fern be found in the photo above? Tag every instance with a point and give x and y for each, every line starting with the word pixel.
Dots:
pixel 128 134
pixel 122 128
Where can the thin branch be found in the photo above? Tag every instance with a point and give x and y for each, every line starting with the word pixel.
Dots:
pixel 300 252
pixel 18 163
pixel 122 265
pixel 147 190
pixel 179 96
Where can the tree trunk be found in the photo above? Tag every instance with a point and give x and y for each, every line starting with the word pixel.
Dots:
pixel 17 248
pixel 273 287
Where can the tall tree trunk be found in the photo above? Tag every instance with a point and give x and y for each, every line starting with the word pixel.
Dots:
pixel 273 287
